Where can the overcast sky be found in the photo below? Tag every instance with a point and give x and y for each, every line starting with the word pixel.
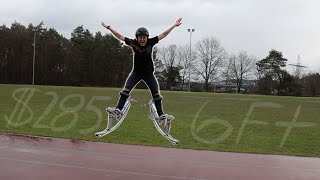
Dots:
pixel 255 26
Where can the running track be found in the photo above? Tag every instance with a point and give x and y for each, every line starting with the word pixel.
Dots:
pixel 41 158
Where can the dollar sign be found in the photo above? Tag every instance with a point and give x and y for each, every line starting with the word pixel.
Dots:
pixel 20 104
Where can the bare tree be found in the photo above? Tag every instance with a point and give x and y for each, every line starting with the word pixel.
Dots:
pixel 168 55
pixel 170 75
pixel 311 83
pixel 183 55
pixel 211 55
pixel 226 74
pixel 241 66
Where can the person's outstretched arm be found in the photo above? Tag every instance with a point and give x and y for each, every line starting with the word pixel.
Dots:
pixel 167 31
pixel 114 32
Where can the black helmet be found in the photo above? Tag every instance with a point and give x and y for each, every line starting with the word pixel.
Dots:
pixel 142 31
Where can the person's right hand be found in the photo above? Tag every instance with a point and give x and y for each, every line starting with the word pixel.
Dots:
pixel 178 22
pixel 104 24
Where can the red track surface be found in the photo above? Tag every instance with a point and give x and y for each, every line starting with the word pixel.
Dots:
pixel 35 158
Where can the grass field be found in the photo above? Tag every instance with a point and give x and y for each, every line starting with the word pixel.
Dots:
pixel 221 122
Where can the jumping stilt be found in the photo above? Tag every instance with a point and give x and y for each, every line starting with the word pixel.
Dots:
pixel 166 124
pixel 117 116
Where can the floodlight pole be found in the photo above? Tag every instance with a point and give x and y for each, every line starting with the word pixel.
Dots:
pixel 34 56
pixel 191 31
pixel 36 29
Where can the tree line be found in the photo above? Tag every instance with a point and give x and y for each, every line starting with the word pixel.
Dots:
pixel 82 60
pixel 102 60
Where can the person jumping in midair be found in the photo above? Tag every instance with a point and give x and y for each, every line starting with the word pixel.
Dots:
pixel 143 68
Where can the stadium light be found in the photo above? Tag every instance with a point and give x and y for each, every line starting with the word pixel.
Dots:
pixel 191 31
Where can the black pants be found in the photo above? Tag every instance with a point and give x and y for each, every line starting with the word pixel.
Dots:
pixel 133 79
pixel 150 80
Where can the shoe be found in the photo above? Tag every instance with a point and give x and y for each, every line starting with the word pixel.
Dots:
pixel 115 113
pixel 165 118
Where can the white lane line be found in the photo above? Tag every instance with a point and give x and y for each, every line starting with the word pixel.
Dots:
pixel 231 98
pixel 186 161
pixel 95 169
pixel 75 151
pixel 313 101
pixel 249 99
pixel 241 99
pixel 2 147
pixel 198 97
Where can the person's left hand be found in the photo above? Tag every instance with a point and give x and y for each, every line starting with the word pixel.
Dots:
pixel 178 22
